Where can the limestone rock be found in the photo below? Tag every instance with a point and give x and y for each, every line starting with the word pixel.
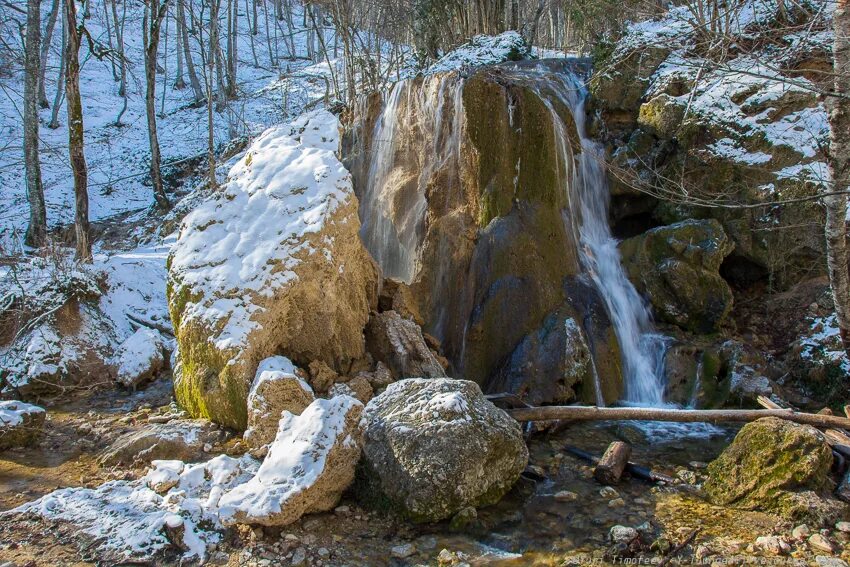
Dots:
pixel 677 267
pixel 379 378
pixel 178 440
pixel 309 465
pixel 20 423
pixel 397 296
pixel 358 387
pixel 271 264
pixel 140 358
pixel 778 466
pixel 554 365
pixel 399 344
pixel 276 388
pixel 322 376
pixel 435 446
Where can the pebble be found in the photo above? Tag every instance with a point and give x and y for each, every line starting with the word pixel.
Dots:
pixel 299 557
pixel 773 544
pixel 820 543
pixel 824 561
pixel 686 476
pixel 616 503
pixel 324 552
pixel 608 492
pixel 342 510
pixel 403 551
pixel 622 534
pixel 801 532
pixel 565 496
pixel 843 527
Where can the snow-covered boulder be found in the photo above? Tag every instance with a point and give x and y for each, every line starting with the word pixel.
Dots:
pixel 183 440
pixel 276 388
pixel 139 358
pixel 271 264
pixel 20 423
pixel 309 465
pixel 436 446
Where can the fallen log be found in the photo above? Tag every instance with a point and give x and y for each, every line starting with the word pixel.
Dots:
pixel 837 439
pixel 633 469
pixel 594 413
pixel 610 467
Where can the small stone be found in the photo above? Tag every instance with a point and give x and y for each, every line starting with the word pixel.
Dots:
pixel 622 535
pixel 403 551
pixel 801 532
pixel 773 544
pixel 820 543
pixel 445 557
pixel 343 510
pixel 616 503
pixel 463 518
pixel 843 527
pixel 299 557
pixel 565 496
pixel 609 492
pixel 686 476
pixel 324 552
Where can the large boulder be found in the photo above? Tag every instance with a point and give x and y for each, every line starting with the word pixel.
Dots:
pixel 139 358
pixel 778 466
pixel 309 465
pixel 277 388
pixel 573 355
pixel 271 264
pixel 399 344
pixel 677 268
pixel 435 446
pixel 187 440
pixel 20 423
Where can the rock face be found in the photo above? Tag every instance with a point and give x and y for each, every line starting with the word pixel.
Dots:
pixel 775 465
pixel 272 264
pixel 309 465
pixel 723 135
pixel 179 440
pixel 399 344
pixel 435 446
pixel 20 424
pixel 677 268
pixel 469 206
pixel 140 358
pixel 276 388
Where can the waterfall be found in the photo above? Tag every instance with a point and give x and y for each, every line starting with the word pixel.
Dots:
pixel 393 208
pixel 585 180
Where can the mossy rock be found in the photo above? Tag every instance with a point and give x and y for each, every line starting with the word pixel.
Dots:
pixel 662 116
pixel 769 462
pixel 677 267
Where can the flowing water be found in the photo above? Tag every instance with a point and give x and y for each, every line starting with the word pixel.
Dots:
pixel 393 212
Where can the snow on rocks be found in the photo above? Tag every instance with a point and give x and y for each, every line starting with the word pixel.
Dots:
pixel 436 446
pixel 20 423
pixel 483 50
pixel 139 358
pixel 184 440
pixel 276 388
pixel 270 264
pixel 137 519
pixel 309 465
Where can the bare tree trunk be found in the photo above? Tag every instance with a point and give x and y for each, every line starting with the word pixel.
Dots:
pixel 232 50
pixel 45 53
pixel 115 76
pixel 839 161
pixel 60 83
pixel 179 83
pixel 187 52
pixel 76 141
pixel 154 14
pixel 37 229
pixel 210 133
pixel 119 40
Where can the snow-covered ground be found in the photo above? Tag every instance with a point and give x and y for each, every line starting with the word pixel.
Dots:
pixel 118 156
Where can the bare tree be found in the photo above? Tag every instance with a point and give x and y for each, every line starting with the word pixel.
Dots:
pixel 187 52
pixel 60 83
pixel 839 168
pixel 37 229
pixel 152 23
pixel 45 52
pixel 76 142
